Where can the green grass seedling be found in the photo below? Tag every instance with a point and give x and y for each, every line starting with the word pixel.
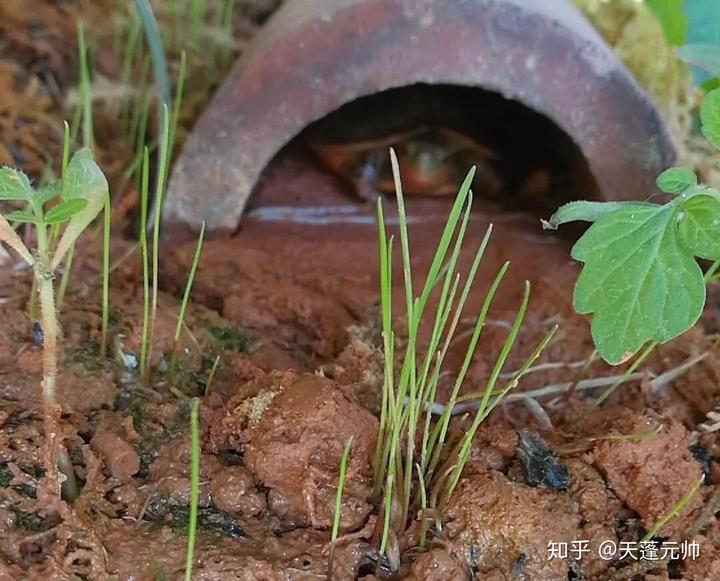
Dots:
pixel 344 460
pixel 198 9
pixel 674 511
pixel 186 298
pixel 144 187
pixel 637 362
pixel 131 56
pixel 85 89
pixel 228 9
pixel 211 375
pixel 88 131
pixel 194 487
pixel 179 91
pixel 84 118
pixel 107 218
pixel 69 260
pixel 159 193
pixel 139 129
pixel 404 474
pixel 157 50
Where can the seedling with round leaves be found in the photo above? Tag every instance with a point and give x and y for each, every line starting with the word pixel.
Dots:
pixel 70 204
pixel 641 280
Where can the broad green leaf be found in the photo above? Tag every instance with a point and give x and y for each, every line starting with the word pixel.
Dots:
pixel 65 210
pixel 14 185
pixel 84 180
pixel 710 117
pixel 676 180
pixel 639 282
pixel 20 216
pixel 710 84
pixel 699 226
pixel 584 212
pixel 672 17
pixel 705 56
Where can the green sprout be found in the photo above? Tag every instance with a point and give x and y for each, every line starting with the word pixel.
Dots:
pixel 158 57
pixel 637 437
pixel 179 91
pixel 228 13
pixel 177 25
pixel 194 487
pixel 198 8
pixel 145 178
pixel 78 198
pixel 211 375
pixel 84 117
pixel 85 109
pixel 674 510
pixel 632 368
pixel 641 280
pixel 223 24
pixel 85 88
pixel 407 396
pixel 344 460
pixel 174 32
pixel 159 192
pixel 139 124
pixel 186 297
pixel 131 54
pixel 68 261
pixel 107 215
pixel 157 50
pixel 151 261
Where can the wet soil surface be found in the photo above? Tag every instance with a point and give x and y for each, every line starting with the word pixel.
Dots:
pixel 290 304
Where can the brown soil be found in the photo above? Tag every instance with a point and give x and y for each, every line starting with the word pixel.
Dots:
pixel 290 305
pixel 283 405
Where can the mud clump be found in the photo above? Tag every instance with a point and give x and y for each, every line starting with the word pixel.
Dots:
pixel 599 510
pixel 121 459
pixel 78 390
pixel 292 436
pixel 651 475
pixel 494 446
pixel 262 292
pixel 170 473
pixel 231 422
pixel 437 565
pixel 233 490
pixel 707 564
pixel 502 528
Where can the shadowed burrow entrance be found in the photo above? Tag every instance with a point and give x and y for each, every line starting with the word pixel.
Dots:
pixel 524 161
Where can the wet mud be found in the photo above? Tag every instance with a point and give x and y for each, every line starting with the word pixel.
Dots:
pixel 290 303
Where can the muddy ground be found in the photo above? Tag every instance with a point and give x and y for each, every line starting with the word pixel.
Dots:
pixel 290 304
